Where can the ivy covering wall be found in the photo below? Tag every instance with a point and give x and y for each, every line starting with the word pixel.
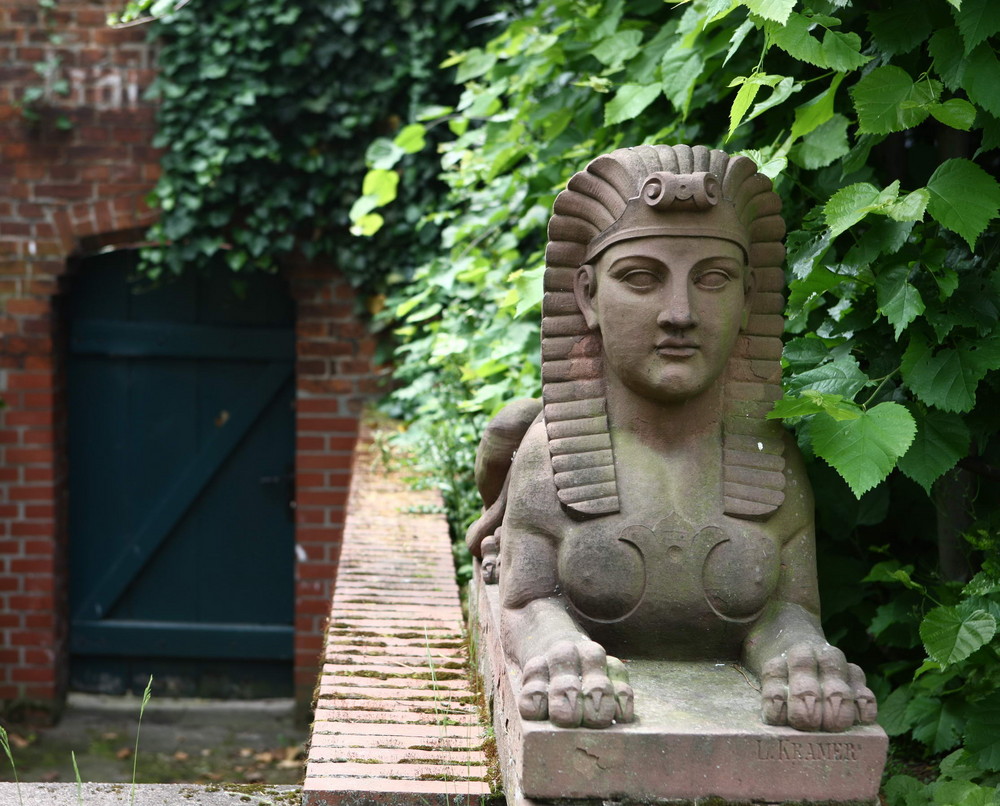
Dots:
pixel 266 109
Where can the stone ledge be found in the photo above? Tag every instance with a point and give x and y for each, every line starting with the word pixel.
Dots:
pixel 396 718
pixel 150 795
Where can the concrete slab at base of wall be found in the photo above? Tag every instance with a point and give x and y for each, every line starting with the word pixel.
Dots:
pixel 149 795
pixel 697 737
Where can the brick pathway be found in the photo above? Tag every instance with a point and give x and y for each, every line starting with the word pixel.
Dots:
pixel 396 720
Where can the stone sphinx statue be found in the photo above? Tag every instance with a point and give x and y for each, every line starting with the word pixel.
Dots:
pixel 645 507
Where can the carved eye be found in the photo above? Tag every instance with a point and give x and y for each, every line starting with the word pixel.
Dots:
pixel 640 279
pixel 713 279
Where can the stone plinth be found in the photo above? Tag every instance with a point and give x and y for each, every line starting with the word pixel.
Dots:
pixel 697 734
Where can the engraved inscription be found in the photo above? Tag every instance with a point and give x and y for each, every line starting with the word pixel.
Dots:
pixel 792 750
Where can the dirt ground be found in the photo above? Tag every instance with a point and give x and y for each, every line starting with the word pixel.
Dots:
pixel 180 741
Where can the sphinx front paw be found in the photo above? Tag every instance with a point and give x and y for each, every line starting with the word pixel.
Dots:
pixel 813 687
pixel 574 685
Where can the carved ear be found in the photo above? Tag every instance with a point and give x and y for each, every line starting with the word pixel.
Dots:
pixel 584 289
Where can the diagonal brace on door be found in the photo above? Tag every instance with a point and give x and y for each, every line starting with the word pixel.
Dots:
pixel 176 501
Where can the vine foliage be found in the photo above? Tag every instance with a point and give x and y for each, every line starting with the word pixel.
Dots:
pixel 880 126
pixel 265 110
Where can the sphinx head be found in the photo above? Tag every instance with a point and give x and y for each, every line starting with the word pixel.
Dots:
pixel 664 274
pixel 667 287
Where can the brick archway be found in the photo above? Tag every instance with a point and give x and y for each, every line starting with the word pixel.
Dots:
pixel 70 192
pixel 334 377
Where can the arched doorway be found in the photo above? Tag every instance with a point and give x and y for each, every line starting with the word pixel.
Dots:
pixel 181 447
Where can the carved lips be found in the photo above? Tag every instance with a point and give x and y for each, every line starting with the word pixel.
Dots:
pixel 676 348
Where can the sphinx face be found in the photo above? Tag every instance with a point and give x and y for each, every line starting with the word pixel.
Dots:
pixel 669 310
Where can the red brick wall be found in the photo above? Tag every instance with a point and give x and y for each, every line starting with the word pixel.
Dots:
pixel 68 191
pixel 335 377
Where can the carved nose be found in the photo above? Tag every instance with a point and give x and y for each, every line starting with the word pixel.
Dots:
pixel 676 310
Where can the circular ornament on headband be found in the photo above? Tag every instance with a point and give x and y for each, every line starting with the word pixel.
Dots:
pixel 675 204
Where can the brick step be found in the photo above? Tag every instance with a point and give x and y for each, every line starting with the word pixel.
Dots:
pixel 417 771
pixel 403 713
pixel 366 740
pixel 397 716
pixel 395 755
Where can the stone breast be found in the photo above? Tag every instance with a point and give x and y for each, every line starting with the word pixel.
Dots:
pixel 674 576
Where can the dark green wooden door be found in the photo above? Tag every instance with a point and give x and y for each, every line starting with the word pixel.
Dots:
pixel 181 449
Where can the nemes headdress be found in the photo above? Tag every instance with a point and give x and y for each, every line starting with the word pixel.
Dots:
pixel 663 190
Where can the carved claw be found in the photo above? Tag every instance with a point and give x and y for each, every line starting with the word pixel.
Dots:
pixel 805 706
pixel 598 694
pixel 812 687
pixel 624 696
pixel 838 709
pixel 565 702
pixel 491 560
pixel 534 700
pixel 864 700
pixel 576 684
pixel 774 692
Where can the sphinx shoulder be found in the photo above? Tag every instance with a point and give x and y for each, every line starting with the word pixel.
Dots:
pixel 532 499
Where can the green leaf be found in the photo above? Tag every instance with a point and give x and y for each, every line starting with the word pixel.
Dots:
pixel 794 38
pixel 892 712
pixel 865 450
pixel 840 377
pixel 892 571
pixel 966 793
pixel 620 47
pixel 411 139
pixel 977 19
pixel 824 145
pixel 935 723
pixel 948 378
pixel 964 198
pixel 949 57
pixel 899 29
pixel 982 77
pixel 851 204
pixel 911 207
pixel 784 89
pixel 381 184
pixel 629 102
pixel 842 52
pixel 892 614
pixel 955 112
pixel 805 352
pixel 474 63
pixel 777 10
pixel 813 402
pixel 739 35
pixel 950 637
pixel 749 86
pixel 905 790
pixel 816 112
pixel 942 439
pixel 982 584
pixel 982 733
pixel 741 103
pixel 681 69
pixel 887 100
pixel 898 301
